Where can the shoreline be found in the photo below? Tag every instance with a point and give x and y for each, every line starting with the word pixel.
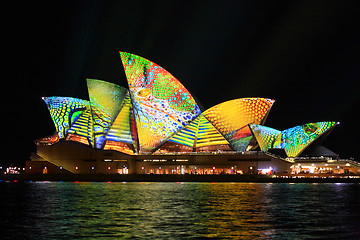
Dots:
pixel 247 178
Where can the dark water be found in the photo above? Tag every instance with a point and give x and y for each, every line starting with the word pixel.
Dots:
pixel 61 210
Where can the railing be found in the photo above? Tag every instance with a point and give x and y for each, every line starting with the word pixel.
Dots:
pixel 350 161
pixel 313 158
pixel 210 153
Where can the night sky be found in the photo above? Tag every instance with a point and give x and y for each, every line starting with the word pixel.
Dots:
pixel 303 54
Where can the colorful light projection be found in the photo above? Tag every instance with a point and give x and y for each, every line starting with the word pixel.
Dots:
pixel 294 140
pixel 106 101
pixel 159 108
pixel 162 105
pixel 187 135
pixel 83 129
pixel 120 130
pixel 90 122
pixel 65 111
pixel 231 119
pixel 266 137
pixel 207 134
pixel 199 133
pixel 298 138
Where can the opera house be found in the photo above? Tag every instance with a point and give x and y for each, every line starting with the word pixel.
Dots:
pixel 156 127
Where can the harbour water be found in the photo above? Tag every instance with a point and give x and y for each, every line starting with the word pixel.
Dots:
pixel 104 210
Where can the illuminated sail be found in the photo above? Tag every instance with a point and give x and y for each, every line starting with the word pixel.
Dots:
pixel 157 108
pixel 298 138
pixel 120 130
pixel 188 134
pixel 65 111
pixel 83 129
pixel 266 137
pixel 162 105
pixel 294 140
pixel 106 101
pixel 231 119
pixel 199 133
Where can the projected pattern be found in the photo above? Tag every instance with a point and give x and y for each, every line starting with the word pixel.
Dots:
pixel 84 128
pixel 293 140
pixel 208 135
pixel 199 133
pixel 267 137
pixel 231 119
pixel 187 135
pixel 120 130
pixel 106 101
pixel 65 111
pixel 158 108
pixel 162 105
pixel 296 139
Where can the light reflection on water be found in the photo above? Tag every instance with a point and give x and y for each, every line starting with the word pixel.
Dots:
pixel 65 210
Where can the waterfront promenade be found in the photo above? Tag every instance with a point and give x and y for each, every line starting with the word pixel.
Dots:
pixel 331 178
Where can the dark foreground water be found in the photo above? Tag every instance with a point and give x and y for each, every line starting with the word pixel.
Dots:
pixel 67 210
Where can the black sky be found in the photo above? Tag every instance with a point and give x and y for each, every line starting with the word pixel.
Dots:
pixel 303 54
